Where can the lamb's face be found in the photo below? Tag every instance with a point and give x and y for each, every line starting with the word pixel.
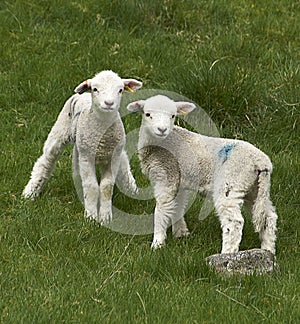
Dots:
pixel 107 92
pixel 106 89
pixel 158 116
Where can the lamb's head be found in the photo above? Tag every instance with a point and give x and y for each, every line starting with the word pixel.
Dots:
pixel 106 89
pixel 159 114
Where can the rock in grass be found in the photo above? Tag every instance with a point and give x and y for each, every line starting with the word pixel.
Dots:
pixel 255 261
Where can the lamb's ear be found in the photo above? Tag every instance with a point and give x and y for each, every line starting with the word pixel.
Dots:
pixel 130 85
pixel 184 107
pixel 136 106
pixel 83 87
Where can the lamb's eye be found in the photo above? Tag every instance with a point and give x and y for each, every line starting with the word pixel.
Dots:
pixel 95 89
pixel 121 90
pixel 147 115
pixel 173 116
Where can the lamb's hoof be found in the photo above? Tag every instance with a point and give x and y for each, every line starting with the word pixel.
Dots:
pixel 29 194
pixel 182 232
pixel 105 218
pixel 157 245
pixel 255 261
pixel 90 216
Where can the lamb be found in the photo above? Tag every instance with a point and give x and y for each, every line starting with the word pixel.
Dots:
pixel 93 124
pixel 231 172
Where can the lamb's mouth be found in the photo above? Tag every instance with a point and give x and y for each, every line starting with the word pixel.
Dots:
pixel 107 108
pixel 161 135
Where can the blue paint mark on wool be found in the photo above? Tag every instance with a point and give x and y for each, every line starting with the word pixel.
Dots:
pixel 225 152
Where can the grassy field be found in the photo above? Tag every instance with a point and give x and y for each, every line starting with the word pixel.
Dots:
pixel 238 60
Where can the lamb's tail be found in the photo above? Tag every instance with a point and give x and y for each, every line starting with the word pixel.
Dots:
pixel 263 212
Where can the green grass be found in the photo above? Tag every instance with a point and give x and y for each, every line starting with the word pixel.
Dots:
pixel 239 60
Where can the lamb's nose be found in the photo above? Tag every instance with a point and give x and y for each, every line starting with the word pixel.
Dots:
pixel 108 103
pixel 162 130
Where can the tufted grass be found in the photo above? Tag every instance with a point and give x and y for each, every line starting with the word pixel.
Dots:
pixel 239 60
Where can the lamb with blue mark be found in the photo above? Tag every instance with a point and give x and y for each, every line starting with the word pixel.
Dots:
pixel 225 151
pixel 232 172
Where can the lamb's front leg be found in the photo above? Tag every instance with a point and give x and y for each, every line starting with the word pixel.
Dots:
pixel 179 227
pixel 164 211
pixel 90 186
pixel 106 192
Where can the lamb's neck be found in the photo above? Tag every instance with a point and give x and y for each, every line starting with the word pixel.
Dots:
pixel 107 117
pixel 147 140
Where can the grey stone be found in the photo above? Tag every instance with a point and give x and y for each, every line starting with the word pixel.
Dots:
pixel 254 261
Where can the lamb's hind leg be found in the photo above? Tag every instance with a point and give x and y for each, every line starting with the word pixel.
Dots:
pixel 264 219
pixel 267 233
pixel 58 137
pixel 263 212
pixel 76 174
pixel 125 179
pixel 232 221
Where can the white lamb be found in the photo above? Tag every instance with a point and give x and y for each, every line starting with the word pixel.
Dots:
pixel 91 121
pixel 230 171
